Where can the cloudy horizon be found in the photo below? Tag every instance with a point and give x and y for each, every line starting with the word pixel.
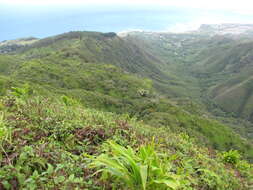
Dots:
pixel 22 18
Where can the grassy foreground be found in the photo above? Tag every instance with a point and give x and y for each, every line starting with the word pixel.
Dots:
pixel 59 144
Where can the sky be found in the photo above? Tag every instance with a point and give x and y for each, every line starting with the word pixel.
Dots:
pixel 42 18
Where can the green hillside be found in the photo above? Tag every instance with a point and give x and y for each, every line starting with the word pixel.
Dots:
pixel 214 70
pixel 49 143
pixel 107 87
pixel 77 64
pixel 85 103
pixel 96 47
pixel 232 78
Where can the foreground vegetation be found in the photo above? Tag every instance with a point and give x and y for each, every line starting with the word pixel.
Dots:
pixel 58 144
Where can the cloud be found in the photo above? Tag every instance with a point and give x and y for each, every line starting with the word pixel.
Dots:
pixel 242 6
pixel 208 18
pixel 205 11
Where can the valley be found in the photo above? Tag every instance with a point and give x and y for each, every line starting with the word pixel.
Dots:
pixel 69 97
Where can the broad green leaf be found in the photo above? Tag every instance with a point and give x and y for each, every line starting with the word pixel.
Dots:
pixel 171 183
pixel 144 175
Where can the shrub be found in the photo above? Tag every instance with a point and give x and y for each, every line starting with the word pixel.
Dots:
pixel 231 157
pixel 141 170
pixel 68 101
pixel 22 92
pixel 5 132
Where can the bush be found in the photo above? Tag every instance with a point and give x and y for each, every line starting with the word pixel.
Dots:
pixel 22 92
pixel 68 101
pixel 231 157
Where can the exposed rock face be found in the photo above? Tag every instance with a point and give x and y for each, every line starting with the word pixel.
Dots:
pixel 9 46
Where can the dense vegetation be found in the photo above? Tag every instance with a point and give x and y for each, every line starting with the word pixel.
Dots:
pixel 214 70
pixel 87 110
pixel 108 88
pixel 50 143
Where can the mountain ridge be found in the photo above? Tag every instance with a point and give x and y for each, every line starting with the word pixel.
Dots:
pixel 79 105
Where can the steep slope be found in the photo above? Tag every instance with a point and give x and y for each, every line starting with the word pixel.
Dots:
pixel 97 85
pixel 109 88
pixel 173 50
pixel 218 67
pixel 213 69
pixel 52 144
pixel 94 47
pixel 229 68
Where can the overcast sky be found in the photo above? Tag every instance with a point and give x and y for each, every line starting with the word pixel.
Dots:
pixel 41 18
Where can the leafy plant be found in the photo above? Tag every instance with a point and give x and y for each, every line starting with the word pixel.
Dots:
pixel 5 134
pixel 22 92
pixel 142 170
pixel 68 101
pixel 231 157
pixel 210 179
